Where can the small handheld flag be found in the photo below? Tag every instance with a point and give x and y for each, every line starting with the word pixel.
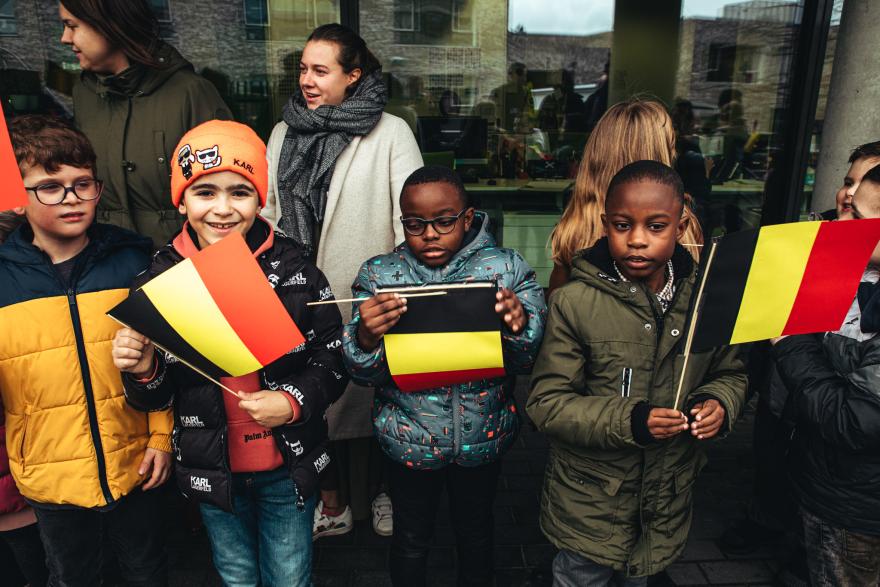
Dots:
pixel 12 192
pixel 215 311
pixel 785 279
pixel 454 338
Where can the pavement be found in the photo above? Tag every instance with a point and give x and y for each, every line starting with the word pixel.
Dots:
pixel 522 554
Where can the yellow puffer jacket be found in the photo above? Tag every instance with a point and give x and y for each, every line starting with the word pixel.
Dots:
pixel 71 437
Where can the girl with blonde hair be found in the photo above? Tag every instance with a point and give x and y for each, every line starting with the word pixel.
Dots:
pixel 629 131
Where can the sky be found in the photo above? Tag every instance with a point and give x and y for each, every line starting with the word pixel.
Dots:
pixel 587 17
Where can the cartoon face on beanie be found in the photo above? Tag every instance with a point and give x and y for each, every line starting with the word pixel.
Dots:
pixel 219 145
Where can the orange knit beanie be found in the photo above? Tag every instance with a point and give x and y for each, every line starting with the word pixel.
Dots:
pixel 219 145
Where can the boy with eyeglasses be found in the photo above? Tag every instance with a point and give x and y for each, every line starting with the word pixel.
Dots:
pixel 455 435
pixel 81 457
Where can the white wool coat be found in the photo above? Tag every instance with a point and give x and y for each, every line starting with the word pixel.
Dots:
pixel 361 221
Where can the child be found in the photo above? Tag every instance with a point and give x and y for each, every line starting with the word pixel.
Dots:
pixel 82 458
pixel 617 488
pixel 446 240
pixel 833 381
pixel 251 461
pixel 18 523
pixel 861 160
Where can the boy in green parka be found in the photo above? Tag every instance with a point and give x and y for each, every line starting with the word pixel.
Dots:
pixel 623 458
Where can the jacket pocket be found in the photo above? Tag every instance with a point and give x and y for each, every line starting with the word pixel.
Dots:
pixel 588 500
pixel 23 445
pixel 677 496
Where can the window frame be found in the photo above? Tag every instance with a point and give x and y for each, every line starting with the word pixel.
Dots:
pixel 266 14
pixel 414 13
pixel 170 18
pixel 10 18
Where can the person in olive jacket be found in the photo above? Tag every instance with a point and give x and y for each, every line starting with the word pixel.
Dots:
pixel 623 459
pixel 135 98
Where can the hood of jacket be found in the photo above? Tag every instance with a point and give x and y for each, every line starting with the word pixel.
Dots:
pixel 595 267
pixel 104 240
pixel 138 79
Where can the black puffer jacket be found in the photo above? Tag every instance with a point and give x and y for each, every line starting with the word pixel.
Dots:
pixel 312 373
pixel 834 398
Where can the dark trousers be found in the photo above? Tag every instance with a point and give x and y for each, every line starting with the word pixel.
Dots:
pixel 73 539
pixel 27 548
pixel 774 504
pixel 416 495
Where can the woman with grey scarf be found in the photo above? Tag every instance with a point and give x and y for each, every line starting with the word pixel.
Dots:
pixel 337 164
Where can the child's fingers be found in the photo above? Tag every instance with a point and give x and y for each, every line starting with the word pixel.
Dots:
pixel 127 353
pixel 708 432
pixel 703 409
pixel 667 413
pixel 713 420
pixel 131 334
pixel 387 307
pixel 383 322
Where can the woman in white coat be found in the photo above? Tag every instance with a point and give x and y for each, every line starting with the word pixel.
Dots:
pixel 337 163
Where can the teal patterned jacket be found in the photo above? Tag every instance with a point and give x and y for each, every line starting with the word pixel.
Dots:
pixel 468 424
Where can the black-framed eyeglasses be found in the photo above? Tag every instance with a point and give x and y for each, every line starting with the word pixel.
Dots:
pixel 52 194
pixel 442 224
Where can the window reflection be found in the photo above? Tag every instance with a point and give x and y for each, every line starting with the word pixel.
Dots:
pixel 504 91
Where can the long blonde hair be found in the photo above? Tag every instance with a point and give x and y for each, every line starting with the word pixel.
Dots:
pixel 629 131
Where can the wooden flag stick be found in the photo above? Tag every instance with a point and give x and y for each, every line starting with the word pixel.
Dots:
pixel 415 295
pixel 197 370
pixel 693 325
pixel 193 367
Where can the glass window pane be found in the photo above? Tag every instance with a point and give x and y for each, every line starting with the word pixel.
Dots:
pixel 162 10
pixel 7 9
pixel 404 15
pixel 8 25
pixel 255 12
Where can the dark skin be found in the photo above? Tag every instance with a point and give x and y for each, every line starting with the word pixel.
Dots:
pixel 428 201
pixel 643 221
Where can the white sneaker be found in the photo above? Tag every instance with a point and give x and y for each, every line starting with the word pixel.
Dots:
pixel 331 525
pixel 382 520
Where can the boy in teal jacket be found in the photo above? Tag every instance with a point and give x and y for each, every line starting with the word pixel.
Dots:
pixel 452 435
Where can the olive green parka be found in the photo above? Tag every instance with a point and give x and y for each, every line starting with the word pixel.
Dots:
pixel 134 120
pixel 607 348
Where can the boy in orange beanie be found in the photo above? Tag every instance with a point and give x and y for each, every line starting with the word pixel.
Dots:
pixel 252 462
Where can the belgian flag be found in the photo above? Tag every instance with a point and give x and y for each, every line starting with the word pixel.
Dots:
pixel 445 339
pixel 214 311
pixel 12 192
pixel 785 279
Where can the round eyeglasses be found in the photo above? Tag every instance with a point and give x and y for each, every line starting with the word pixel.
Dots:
pixel 442 224
pixel 52 194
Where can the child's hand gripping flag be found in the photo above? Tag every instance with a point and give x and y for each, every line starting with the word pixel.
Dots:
pixel 214 311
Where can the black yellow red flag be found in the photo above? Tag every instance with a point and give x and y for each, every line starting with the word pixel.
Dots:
pixel 796 278
pixel 447 339
pixel 215 311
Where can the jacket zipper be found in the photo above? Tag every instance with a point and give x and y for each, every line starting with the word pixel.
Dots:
pixel 456 424
pixel 90 395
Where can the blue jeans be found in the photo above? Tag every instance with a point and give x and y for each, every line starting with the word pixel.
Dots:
pixel 571 569
pixel 268 540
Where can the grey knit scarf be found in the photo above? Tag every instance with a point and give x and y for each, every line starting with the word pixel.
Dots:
pixel 313 142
